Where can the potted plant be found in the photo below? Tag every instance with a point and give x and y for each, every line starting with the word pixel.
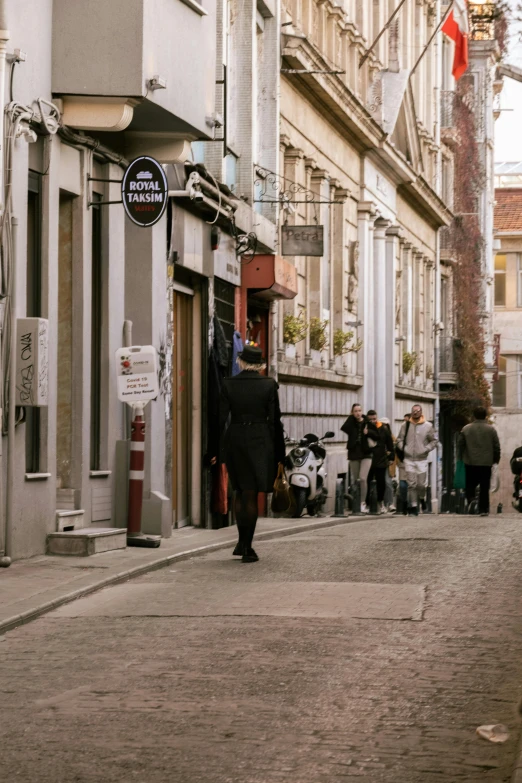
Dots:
pixel 409 360
pixel 318 338
pixel 294 331
pixel 341 343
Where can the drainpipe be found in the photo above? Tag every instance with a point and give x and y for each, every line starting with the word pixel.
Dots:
pixel 4 37
pixel 11 417
pixel 436 303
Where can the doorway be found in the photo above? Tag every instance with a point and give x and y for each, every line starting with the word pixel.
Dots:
pixel 181 409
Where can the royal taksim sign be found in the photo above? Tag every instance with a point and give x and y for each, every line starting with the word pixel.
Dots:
pixel 144 191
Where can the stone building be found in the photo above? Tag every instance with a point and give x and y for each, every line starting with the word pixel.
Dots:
pixel 90 86
pixel 507 321
pixel 362 156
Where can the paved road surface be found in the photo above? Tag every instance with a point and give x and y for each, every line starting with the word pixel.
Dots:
pixel 369 651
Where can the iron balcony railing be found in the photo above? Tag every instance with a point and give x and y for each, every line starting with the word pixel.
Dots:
pixel 482 17
pixel 447 354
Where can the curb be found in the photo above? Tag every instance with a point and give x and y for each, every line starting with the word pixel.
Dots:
pixel 131 573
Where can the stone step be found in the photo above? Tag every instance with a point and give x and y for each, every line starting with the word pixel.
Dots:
pixel 69 520
pixel 86 541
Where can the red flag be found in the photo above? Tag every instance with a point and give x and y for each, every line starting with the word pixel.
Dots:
pixel 456 27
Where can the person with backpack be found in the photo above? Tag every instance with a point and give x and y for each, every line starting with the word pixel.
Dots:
pixel 416 440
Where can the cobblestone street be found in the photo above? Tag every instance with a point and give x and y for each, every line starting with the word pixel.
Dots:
pixel 370 650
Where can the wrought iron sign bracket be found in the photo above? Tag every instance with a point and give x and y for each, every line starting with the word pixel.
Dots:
pixel 102 203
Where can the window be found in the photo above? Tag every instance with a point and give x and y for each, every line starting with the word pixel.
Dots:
pixel 519 280
pixel 96 335
pixel 33 307
pixel 500 280
pixel 231 171
pixel 500 385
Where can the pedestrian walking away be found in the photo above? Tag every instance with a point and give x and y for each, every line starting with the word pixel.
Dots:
pixel 359 450
pixel 254 442
pixel 381 455
pixel 479 449
pixel 416 440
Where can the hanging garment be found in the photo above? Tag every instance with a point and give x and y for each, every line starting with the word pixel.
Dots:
pixel 237 347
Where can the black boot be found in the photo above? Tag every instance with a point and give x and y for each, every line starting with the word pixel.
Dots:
pixel 239 551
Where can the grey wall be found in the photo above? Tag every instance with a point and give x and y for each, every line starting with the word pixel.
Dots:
pixel 125 43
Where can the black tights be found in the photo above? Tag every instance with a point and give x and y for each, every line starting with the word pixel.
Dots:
pixel 246 515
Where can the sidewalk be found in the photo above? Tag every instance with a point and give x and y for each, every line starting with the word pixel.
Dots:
pixel 29 588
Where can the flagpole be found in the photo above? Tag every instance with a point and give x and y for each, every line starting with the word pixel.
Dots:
pixel 388 23
pixel 440 24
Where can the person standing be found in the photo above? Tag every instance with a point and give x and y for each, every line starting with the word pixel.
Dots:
pixel 381 455
pixel 390 472
pixel 479 449
pixel 359 450
pixel 254 442
pixel 416 440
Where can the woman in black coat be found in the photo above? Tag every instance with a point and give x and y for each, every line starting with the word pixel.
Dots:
pixel 358 429
pixel 254 442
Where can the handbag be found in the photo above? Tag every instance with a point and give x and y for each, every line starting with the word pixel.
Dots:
pixel 400 452
pixel 371 442
pixel 281 497
pixel 459 480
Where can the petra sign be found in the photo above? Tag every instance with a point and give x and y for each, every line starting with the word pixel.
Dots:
pixel 302 240
pixel 144 191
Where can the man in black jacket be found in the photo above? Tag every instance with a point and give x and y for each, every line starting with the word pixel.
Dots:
pixel 381 455
pixel 479 448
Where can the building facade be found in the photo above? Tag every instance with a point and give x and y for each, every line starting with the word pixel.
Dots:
pixel 507 322
pixel 309 155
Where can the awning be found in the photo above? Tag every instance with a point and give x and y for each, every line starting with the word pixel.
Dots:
pixel 269 277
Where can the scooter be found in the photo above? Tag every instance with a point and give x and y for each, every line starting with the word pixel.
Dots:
pixel 306 474
pixel 516 468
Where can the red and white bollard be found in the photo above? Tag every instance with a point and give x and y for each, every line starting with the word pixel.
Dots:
pixel 136 476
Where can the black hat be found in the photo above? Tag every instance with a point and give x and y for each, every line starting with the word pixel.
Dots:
pixel 252 355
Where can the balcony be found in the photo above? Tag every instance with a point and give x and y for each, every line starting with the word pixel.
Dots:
pixel 482 17
pixel 447 365
pixel 106 56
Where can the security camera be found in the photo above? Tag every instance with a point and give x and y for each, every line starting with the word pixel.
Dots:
pixel 198 196
pixel 440 326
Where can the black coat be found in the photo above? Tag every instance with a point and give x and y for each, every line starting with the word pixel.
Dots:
pixel 254 440
pixel 384 447
pixel 358 447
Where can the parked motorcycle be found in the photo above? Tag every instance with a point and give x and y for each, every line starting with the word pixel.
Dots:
pixel 306 474
pixel 516 469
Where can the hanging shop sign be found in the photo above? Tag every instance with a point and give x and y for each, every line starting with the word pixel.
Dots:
pixel 137 376
pixel 302 240
pixel 144 191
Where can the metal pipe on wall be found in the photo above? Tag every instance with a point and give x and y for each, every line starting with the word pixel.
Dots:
pixel 4 37
pixel 196 456
pixel 11 420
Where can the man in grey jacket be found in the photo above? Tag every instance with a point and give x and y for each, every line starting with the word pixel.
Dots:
pixel 416 439
pixel 479 448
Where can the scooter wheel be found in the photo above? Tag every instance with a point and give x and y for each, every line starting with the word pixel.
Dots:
pixel 299 501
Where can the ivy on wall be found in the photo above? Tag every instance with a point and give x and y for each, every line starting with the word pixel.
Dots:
pixel 467 242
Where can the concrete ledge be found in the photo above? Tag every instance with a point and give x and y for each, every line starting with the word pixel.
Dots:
pixel 86 541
